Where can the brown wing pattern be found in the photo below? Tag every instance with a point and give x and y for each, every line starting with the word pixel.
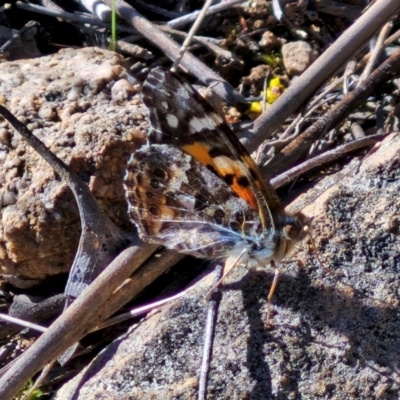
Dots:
pixel 181 117
pixel 177 202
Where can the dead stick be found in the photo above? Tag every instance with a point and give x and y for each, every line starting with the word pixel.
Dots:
pixel 209 332
pixel 142 277
pixel 292 152
pixel 325 158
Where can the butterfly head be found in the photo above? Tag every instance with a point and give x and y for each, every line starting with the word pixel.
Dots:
pixel 290 230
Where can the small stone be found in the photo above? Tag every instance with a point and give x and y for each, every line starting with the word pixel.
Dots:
pixel 122 90
pixel 4 136
pixel 21 184
pixel 9 198
pixel 47 113
pixel 297 57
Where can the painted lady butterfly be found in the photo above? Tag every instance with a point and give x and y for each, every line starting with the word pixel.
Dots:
pixel 195 189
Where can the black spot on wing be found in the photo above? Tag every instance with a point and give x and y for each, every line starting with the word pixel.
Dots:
pixel 150 195
pixel 235 226
pixel 154 183
pixel 239 217
pixel 243 181
pixel 219 216
pixel 201 201
pixel 159 173
pixel 154 211
pixel 215 152
pixel 228 178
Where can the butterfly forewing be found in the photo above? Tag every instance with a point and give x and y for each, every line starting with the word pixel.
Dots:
pixel 181 117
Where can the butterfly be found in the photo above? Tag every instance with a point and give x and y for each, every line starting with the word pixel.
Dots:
pixel 195 189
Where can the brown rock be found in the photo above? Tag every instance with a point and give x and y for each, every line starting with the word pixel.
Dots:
pixel 297 57
pixel 86 108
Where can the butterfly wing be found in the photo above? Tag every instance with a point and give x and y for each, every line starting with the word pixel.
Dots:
pixel 181 117
pixel 177 202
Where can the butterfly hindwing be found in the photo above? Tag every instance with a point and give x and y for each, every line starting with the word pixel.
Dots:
pixel 179 203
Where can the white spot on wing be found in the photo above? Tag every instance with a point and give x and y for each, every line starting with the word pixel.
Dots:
pixel 198 124
pixel 164 104
pixel 172 120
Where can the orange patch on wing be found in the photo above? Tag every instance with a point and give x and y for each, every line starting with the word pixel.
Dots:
pixel 245 193
pixel 224 166
pixel 199 152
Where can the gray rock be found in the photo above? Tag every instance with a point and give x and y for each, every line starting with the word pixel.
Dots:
pixel 332 335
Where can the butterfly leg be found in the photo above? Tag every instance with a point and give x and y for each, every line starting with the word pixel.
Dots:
pixel 272 291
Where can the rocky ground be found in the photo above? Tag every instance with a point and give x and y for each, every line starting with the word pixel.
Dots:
pixel 333 335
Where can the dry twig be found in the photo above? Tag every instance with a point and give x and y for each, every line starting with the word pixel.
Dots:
pixel 74 323
pixel 325 158
pixel 212 311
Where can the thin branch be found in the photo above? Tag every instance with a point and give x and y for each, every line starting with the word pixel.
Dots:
pixel 23 323
pixel 191 33
pixel 379 46
pixel 158 10
pixel 29 25
pixel 189 18
pixel 71 326
pixel 99 9
pixel 72 17
pixel 324 159
pixel 38 382
pixel 212 311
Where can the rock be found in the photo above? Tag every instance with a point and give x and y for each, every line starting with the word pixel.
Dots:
pixel 331 336
pixel 270 41
pixel 86 108
pixel 297 57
